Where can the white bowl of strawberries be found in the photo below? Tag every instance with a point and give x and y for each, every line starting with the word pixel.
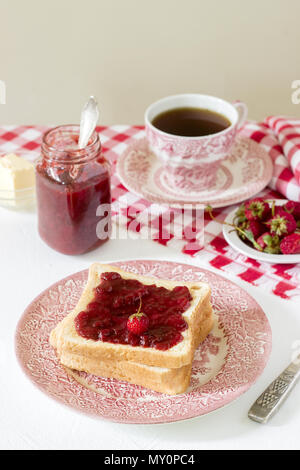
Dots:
pixel 266 230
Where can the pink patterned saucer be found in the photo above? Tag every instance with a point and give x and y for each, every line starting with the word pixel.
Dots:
pixel 225 365
pixel 246 171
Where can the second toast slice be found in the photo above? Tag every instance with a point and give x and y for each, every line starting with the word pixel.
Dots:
pixel 160 379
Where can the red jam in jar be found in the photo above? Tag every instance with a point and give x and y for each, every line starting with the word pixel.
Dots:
pixel 73 192
pixel 115 299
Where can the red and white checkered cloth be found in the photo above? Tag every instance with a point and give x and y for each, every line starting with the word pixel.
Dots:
pixel 281 280
pixel 288 134
pixel 278 136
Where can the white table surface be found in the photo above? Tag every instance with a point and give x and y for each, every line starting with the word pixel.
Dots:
pixel 31 420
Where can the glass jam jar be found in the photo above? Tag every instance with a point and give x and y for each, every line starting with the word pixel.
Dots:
pixel 73 192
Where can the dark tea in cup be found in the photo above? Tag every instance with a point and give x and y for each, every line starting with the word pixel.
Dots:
pixel 190 122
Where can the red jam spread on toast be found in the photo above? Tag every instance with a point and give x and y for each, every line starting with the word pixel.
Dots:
pixel 115 299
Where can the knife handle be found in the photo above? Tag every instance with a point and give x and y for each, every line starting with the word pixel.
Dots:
pixel 273 397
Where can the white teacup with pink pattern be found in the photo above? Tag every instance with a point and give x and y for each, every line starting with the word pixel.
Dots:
pixel 183 156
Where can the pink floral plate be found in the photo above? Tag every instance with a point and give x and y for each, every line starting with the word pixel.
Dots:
pixel 228 362
pixel 246 171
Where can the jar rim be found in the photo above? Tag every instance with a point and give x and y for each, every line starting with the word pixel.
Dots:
pixel 52 151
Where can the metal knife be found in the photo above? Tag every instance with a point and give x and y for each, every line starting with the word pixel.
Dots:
pixel 272 398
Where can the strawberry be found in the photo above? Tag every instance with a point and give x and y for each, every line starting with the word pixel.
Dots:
pixel 256 228
pixel 269 243
pixel 282 223
pixel 257 209
pixel 290 245
pixel 293 208
pixel 138 323
pixel 261 240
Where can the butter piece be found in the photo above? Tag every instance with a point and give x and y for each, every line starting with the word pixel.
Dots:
pixel 16 173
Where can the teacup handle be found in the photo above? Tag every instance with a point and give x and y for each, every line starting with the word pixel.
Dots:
pixel 242 110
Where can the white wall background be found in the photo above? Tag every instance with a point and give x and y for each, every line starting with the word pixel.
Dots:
pixel 55 53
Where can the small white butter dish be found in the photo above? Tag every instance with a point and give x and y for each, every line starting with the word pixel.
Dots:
pixel 17 181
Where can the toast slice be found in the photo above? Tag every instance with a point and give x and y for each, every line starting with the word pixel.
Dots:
pixel 68 342
pixel 160 379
